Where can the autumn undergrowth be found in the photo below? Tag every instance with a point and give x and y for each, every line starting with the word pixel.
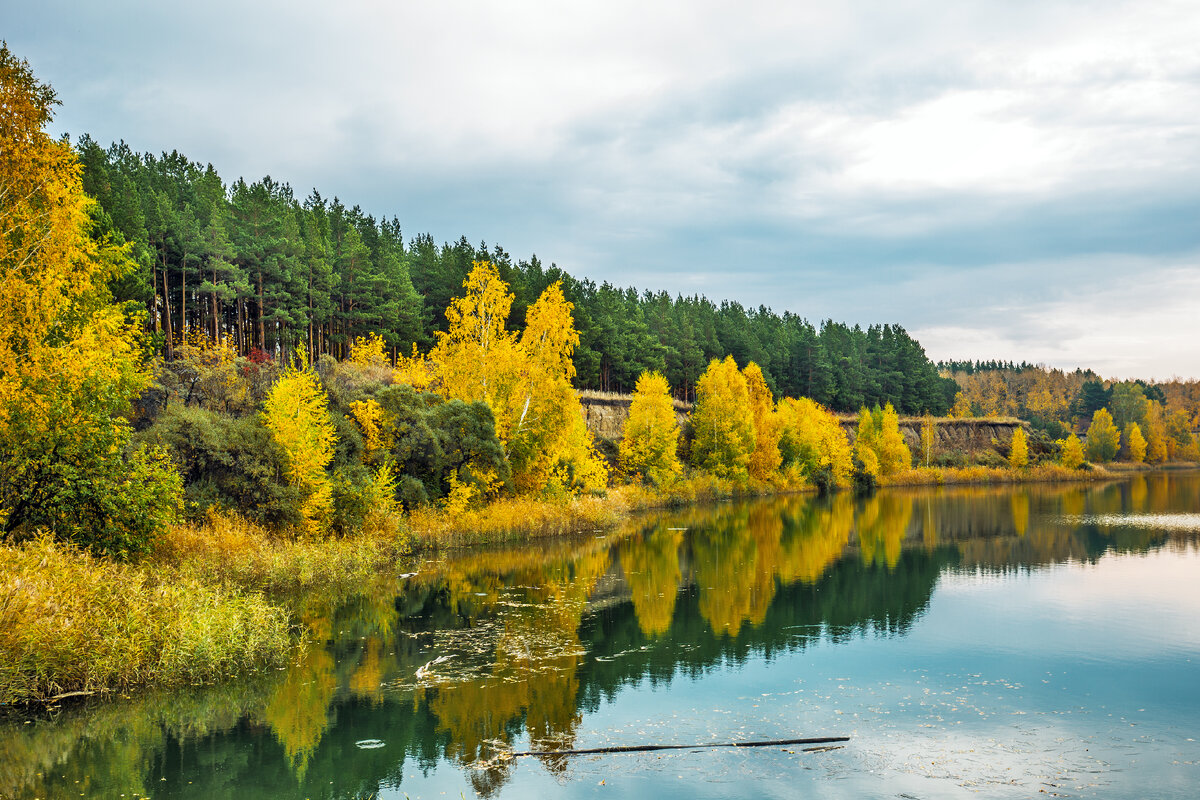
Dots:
pixel 71 622
pixel 237 555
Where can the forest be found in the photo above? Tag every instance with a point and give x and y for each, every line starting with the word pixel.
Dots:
pixel 254 264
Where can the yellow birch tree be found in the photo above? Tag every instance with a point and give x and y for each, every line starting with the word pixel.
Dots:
pixel 765 459
pixel 1018 453
pixel 651 438
pixel 297 415
pixel 722 422
pixel 1136 443
pixel 70 360
pixel 1071 452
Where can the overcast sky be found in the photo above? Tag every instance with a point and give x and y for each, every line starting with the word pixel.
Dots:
pixel 1016 180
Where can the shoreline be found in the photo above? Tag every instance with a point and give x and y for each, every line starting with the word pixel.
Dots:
pixel 224 599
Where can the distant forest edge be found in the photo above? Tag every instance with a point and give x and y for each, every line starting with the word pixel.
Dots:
pixel 250 263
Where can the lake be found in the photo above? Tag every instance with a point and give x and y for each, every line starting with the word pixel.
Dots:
pixel 972 642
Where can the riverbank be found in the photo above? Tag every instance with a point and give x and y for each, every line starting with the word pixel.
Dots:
pixel 223 597
pixel 986 476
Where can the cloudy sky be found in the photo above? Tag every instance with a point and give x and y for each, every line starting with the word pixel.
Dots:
pixel 1015 180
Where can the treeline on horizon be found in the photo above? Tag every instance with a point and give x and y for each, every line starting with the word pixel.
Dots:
pixel 252 264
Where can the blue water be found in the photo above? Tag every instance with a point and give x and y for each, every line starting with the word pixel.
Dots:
pixel 1008 643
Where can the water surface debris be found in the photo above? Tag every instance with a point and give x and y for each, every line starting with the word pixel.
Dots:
pixel 643 748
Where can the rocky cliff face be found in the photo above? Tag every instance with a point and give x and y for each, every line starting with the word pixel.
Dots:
pixel 605 414
pixel 953 435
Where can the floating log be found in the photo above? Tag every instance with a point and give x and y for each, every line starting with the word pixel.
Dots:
pixel 644 748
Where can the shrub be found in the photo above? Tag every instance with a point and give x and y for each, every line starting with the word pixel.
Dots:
pixel 230 463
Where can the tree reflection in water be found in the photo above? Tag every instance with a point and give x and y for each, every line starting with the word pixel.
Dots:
pixel 488 649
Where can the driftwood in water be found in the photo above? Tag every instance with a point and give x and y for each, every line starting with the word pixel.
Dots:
pixel 642 748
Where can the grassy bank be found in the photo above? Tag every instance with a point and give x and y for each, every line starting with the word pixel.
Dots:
pixel 73 623
pixel 224 597
pixel 983 476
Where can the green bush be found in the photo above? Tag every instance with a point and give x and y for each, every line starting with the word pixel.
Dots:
pixel 232 463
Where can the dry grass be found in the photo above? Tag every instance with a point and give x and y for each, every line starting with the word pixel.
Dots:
pixel 72 622
pixel 977 475
pixel 231 552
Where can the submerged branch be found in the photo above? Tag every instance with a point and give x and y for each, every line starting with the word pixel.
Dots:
pixel 642 748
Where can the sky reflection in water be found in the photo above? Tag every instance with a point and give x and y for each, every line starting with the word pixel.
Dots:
pixel 982 642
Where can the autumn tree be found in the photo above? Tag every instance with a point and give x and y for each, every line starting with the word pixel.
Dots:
pixel 866 448
pixel 879 443
pixel 70 360
pixel 1070 452
pixel 297 414
pixel 722 422
pixel 525 380
pixel 765 459
pixel 1103 437
pixel 651 438
pixel 928 438
pixel 1018 453
pixel 812 441
pixel 962 407
pixel 1135 442
pixel 1155 434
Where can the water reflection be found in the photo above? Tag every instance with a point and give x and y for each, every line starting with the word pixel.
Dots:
pixel 485 650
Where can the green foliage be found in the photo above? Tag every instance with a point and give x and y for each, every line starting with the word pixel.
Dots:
pixel 1128 404
pixel 273 273
pixel 1103 437
pixel 231 463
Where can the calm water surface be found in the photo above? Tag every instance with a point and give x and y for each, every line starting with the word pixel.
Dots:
pixel 972 643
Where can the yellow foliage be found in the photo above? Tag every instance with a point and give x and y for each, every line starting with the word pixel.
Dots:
pixel 765 459
pixel 723 422
pixel 297 415
pixel 526 381
pixel 369 416
pixel 1155 434
pixel 369 351
pixel 651 438
pixel 1136 443
pixel 1071 455
pixel 814 439
pixel 70 361
pixel 415 370
pixel 1018 454
pixel 962 407
pixel 879 444
pixel 928 438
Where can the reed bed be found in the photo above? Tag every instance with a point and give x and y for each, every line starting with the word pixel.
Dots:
pixel 979 475
pixel 231 552
pixel 70 622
